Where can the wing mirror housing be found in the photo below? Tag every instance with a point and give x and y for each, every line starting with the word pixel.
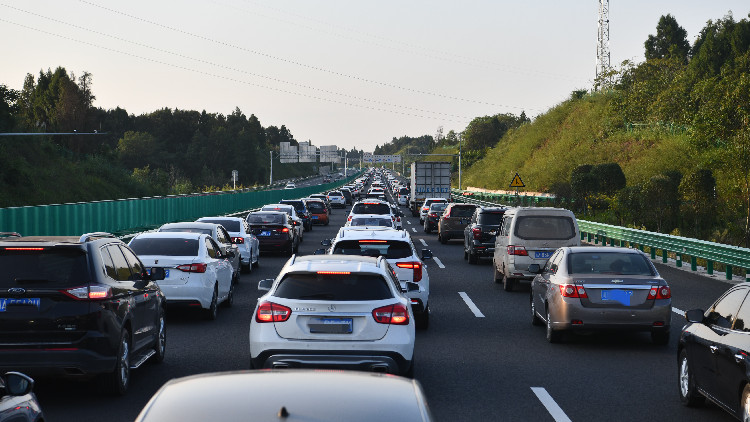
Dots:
pixel 265 284
pixel 695 315
pixel 535 269
pixel 426 254
pixel 325 242
pixel 17 384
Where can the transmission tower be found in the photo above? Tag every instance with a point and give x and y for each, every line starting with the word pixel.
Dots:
pixel 602 45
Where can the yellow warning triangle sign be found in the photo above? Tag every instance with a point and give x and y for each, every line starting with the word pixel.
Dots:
pixel 517 182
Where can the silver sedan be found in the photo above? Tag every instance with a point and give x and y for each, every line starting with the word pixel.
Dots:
pixel 589 288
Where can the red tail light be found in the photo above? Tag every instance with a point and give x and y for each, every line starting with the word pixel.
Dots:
pixel 193 268
pixel 392 314
pixel 517 250
pixel 416 266
pixel 95 292
pixel 477 232
pixel 284 230
pixel 660 292
pixel 272 312
pixel 572 290
pixel 238 240
pixel 349 218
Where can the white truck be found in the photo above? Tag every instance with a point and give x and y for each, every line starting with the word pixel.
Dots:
pixel 429 179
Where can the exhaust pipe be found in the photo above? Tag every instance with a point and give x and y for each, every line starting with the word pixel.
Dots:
pixel 380 368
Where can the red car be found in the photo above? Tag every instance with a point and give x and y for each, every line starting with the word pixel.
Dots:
pixel 318 211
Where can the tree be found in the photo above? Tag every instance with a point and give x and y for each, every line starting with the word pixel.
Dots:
pixel 138 149
pixel 670 41
pixel 698 192
pixel 610 178
pixel 583 184
pixel 8 108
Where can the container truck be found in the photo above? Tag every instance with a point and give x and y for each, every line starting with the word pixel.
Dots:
pixel 429 179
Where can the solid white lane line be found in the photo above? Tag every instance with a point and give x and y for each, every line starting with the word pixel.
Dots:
pixel 678 311
pixel 471 305
pixel 552 407
pixel 414 230
pixel 423 242
pixel 437 261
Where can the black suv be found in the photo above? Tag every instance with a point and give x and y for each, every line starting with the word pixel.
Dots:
pixel 78 307
pixel 479 235
pixel 302 212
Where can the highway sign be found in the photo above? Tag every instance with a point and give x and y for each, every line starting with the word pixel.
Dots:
pixel 517 182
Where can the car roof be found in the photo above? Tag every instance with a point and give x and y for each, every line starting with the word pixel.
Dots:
pixel 365 232
pixel 603 249
pixel 191 224
pixel 268 212
pixel 333 262
pixel 170 235
pixel 279 206
pixel 53 240
pixel 207 219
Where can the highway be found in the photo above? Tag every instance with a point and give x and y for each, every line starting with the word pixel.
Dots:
pixel 480 359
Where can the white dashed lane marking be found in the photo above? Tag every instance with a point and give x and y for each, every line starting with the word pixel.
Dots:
pixel 423 242
pixel 471 305
pixel 437 261
pixel 557 413
pixel 414 230
pixel 678 312
pixel 408 222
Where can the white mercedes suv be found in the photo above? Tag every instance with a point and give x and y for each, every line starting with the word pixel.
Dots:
pixel 325 311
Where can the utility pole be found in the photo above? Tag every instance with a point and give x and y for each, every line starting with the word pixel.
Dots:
pixel 602 45
pixel 270 174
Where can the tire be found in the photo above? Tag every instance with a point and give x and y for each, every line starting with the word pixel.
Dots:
pixel 689 396
pixel 535 320
pixel 410 372
pixel 553 336
pixel 427 228
pixel 472 258
pixel 422 320
pixel 497 275
pixel 660 338
pixel 442 239
pixel 212 311
pixel 118 381
pixel 257 261
pixel 466 254
pixel 160 347
pixel 508 284
pixel 230 297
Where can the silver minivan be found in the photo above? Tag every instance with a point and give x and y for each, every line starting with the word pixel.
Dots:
pixel 530 236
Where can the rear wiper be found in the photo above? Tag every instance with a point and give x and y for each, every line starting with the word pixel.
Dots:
pixel 318 296
pixel 31 280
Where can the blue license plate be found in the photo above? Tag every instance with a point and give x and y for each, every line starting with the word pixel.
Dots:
pixel 331 325
pixel 543 255
pixel 166 272
pixel 617 295
pixel 314 217
pixel 265 233
pixel 25 302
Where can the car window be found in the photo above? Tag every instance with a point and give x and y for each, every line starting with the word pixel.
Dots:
pixel 615 263
pixel 316 207
pixel 505 229
pixel 546 227
pixel 334 287
pixel 462 211
pixel 230 225
pixel 109 266
pixel 164 246
pixel 490 218
pixel 390 249
pixel 265 219
pixel 742 321
pixel 553 263
pixel 122 269
pixel 371 208
pixel 136 267
pixel 726 308
pixel 223 236
pixel 49 268
pixel 367 221
pixel 438 206
pixel 211 249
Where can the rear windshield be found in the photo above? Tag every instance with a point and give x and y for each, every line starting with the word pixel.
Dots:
pixel 46 269
pixel 438 206
pixel 258 219
pixel 316 207
pixel 365 221
pixel 545 227
pixel 230 225
pixel 429 202
pixel 462 211
pixel 163 246
pixel 335 193
pixel 609 263
pixel 333 287
pixel 490 218
pixel 298 205
pixel 390 249
pixel 371 208
pixel 403 191
pixel 187 230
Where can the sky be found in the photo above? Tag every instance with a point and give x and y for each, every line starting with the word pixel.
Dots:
pixel 349 73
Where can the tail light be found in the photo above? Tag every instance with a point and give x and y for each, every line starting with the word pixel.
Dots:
pixel 572 290
pixel 193 268
pixel 238 240
pixel 349 218
pixel 446 216
pixel 477 233
pixel 660 292
pixel 396 314
pixel 95 292
pixel 416 266
pixel 517 250
pixel 283 230
pixel 272 312
pixel 425 209
pixel 433 215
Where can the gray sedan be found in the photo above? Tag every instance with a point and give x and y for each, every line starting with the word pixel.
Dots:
pixel 588 288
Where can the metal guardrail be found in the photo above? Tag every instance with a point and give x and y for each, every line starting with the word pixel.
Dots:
pixel 730 256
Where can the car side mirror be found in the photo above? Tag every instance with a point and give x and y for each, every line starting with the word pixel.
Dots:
pixel 412 287
pixel 265 284
pixel 157 273
pixel 535 269
pixel 426 254
pixel 325 242
pixel 17 384
pixel 320 251
pixel 695 315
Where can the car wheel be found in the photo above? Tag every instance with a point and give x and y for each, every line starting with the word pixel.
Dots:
pixel 212 310
pixel 553 336
pixel 508 283
pixel 117 381
pixel 422 319
pixel 473 258
pixel 660 338
pixel 230 297
pixel 688 394
pixel 427 228
pixel 410 372
pixel 466 254
pixel 257 261
pixel 535 320
pixel 498 276
pixel 442 239
pixel 161 339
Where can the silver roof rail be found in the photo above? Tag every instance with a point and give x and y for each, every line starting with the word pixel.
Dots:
pixel 292 259
pixel 10 234
pixel 380 259
pixel 87 237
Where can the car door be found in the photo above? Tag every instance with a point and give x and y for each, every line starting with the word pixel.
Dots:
pixel 146 300
pixel 126 293
pixel 542 286
pixel 225 242
pixel 732 357
pixel 221 266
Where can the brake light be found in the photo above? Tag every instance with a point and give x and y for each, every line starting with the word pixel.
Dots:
pixel 476 232
pixel 660 292
pixel 433 215
pixel 396 314
pixel 193 268
pixel 572 290
pixel 425 208
pixel 416 266
pixel 284 230
pixel 517 250
pixel 24 249
pixel 272 312
pixel 238 240
pixel 89 292
pixel 334 272
pixel 373 241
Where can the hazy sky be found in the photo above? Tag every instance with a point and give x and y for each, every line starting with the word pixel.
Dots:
pixel 337 72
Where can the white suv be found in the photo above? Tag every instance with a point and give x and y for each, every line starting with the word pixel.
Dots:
pixel 398 249
pixel 326 311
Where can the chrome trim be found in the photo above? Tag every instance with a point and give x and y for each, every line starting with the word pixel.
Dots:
pixel 619 286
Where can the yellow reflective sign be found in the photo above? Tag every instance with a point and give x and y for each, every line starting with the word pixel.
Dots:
pixel 517 182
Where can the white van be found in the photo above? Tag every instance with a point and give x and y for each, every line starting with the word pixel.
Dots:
pixel 530 236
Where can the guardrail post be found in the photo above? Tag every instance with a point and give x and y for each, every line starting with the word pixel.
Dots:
pixel 729 272
pixel 710 267
pixel 694 263
pixel 622 243
pixel 653 252
pixel 589 237
pixel 583 235
pixel 664 255
pixel 679 259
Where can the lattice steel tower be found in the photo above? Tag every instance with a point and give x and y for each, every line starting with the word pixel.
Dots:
pixel 602 45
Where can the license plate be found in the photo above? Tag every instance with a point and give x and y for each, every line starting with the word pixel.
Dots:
pixel 265 233
pixel 617 295
pixel 314 217
pixel 25 301
pixel 330 325
pixel 166 272
pixel 542 255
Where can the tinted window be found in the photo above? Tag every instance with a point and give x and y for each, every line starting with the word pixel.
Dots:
pixel 490 218
pixel 333 287
pixel 742 322
pixel 47 269
pixel 222 236
pixel 545 227
pixel 187 230
pixel 122 269
pixel 258 219
pixel 391 249
pixel 371 208
pixel 335 193
pixel 163 246
pixel 135 264
pixel 726 308
pixel 609 263
pixel 212 248
pixel 298 205
pixel 403 191
pixel 438 207
pixel 381 222
pixel 231 225
pixel 462 211
pixel 109 266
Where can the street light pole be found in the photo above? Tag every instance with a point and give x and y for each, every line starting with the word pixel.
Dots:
pixel 270 175
pixel 459 162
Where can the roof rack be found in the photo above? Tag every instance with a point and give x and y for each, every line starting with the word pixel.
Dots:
pixel 87 237
pixel 380 259
pixel 292 259
pixel 10 234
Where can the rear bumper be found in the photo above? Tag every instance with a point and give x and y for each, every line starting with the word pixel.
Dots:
pixel 386 362
pixel 271 245
pixel 611 319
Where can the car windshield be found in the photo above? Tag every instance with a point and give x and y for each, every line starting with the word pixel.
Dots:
pixel 298 205
pixel 547 227
pixel 390 249
pixel 403 191
pixel 47 268
pixel 333 287
pixel 609 263
pixel 164 246
pixel 186 230
pixel 230 225
pixel 371 208
pixel 258 219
